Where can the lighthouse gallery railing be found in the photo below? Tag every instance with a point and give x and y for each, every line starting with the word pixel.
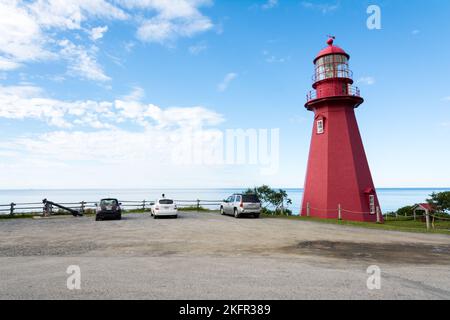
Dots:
pixel 349 90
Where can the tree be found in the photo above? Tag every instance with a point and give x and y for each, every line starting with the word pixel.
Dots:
pixel 270 198
pixel 264 194
pixel 405 211
pixel 440 201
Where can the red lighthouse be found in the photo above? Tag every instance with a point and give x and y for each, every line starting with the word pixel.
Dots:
pixel 338 180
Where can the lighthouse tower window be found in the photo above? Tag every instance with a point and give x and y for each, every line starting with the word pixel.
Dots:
pixel 320 129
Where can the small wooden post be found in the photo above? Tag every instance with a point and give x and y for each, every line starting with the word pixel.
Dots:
pixel 415 214
pixel 11 209
pixel 339 212
pixel 143 205
pixel 83 205
pixel 198 204
pixel 308 213
pixel 378 215
pixel 427 218
pixel 47 209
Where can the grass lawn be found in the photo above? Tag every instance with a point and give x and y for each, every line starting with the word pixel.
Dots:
pixel 195 209
pixel 401 224
pixel 16 216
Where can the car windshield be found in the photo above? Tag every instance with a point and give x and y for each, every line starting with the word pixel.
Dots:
pixel 108 202
pixel 250 198
pixel 165 201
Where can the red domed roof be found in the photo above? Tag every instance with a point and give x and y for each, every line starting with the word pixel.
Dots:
pixel 331 49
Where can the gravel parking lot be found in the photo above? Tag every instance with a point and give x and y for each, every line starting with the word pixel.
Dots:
pixel 208 256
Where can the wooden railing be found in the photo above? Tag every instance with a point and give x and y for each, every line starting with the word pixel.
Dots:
pixel 38 208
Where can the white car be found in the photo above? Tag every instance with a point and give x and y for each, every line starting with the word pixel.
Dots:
pixel 164 208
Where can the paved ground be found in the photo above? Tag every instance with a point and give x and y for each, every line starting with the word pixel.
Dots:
pixel 208 256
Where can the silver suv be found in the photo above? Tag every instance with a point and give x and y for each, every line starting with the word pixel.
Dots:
pixel 240 205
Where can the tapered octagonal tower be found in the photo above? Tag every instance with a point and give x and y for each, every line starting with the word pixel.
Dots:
pixel 338 180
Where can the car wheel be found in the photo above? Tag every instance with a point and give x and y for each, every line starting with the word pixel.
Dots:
pixel 221 211
pixel 98 219
pixel 155 217
pixel 236 214
pixel 256 215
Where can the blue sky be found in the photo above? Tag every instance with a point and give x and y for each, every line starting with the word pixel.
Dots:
pixel 94 93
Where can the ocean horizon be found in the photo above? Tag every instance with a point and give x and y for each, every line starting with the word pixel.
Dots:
pixel 391 199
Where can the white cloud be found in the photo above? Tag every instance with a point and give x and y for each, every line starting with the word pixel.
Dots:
pixel 111 158
pixel 366 80
pixel 136 94
pixel 168 9
pixel 20 102
pixel 161 30
pixel 149 115
pixel 197 49
pixel 70 14
pixel 156 30
pixel 128 46
pixel 270 4
pixel 322 7
pixel 8 64
pixel 270 58
pixel 20 36
pixel 82 62
pixel 29 30
pixel 173 19
pixel 223 86
pixel 99 140
pixel 97 33
pixel 30 102
pixel 415 32
pixel 447 99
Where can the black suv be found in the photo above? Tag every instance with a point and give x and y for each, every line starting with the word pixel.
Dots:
pixel 108 209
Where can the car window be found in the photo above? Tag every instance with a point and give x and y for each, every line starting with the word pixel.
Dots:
pixel 165 201
pixel 250 198
pixel 238 199
pixel 230 199
pixel 108 202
